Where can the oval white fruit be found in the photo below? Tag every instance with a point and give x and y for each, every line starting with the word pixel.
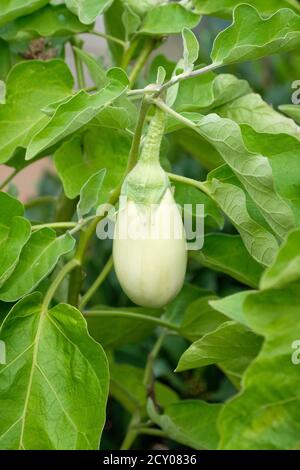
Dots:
pixel 149 251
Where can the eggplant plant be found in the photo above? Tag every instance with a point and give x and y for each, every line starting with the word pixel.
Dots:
pixel 113 334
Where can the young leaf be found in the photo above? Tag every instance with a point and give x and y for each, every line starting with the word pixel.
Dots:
pixel 90 193
pixel 256 37
pixel 58 377
pixel 81 157
pixel 190 49
pixel 46 22
pixel 265 415
pixel 96 71
pixel 38 257
pixel 168 19
pixel 231 345
pixel 14 8
pixel 260 243
pixel 227 254
pixel 14 233
pixel 286 267
pixel 189 422
pixel 88 10
pixel 73 114
pixel 21 117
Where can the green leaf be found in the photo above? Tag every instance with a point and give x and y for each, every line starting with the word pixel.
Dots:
pixel 96 71
pixel 200 318
pixel 131 21
pixel 251 109
pixel 38 258
pixel 21 117
pixel 108 327
pixel 190 49
pixel 257 37
pixel 127 387
pixel 90 193
pixel 174 312
pixel 231 345
pixel 14 8
pixel 286 267
pixel 260 243
pixel 46 22
pixel 81 157
pixel 232 306
pixel 57 376
pixel 209 91
pixel 189 422
pixel 292 110
pixel 88 10
pixel 253 170
pixel 168 19
pixel 186 194
pixel 14 233
pixel 265 415
pixel 224 8
pixel 227 254
pixel 72 115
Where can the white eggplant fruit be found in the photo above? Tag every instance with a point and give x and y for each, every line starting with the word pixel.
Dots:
pixel 149 251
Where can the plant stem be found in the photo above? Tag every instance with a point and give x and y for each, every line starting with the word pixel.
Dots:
pixel 57 281
pixel 55 225
pixel 128 53
pixel 132 316
pixel 135 146
pixel 132 433
pixel 190 182
pixel 152 432
pixel 8 179
pixel 148 375
pixel 78 64
pixel 108 37
pixel 141 61
pixel 100 279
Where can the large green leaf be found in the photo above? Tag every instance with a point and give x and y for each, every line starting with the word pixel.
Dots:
pixel 127 387
pixel 224 8
pixel 251 109
pixel 257 37
pixel 227 254
pixel 48 21
pixel 11 9
pixel 83 156
pixel 231 345
pixel 232 306
pixel 54 387
pixel 73 114
pixel 14 233
pixel 286 267
pixel 90 193
pixel 168 19
pixel 189 422
pixel 21 117
pixel 88 10
pixel 266 414
pixel 38 257
pixel 260 243
pixel 253 170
